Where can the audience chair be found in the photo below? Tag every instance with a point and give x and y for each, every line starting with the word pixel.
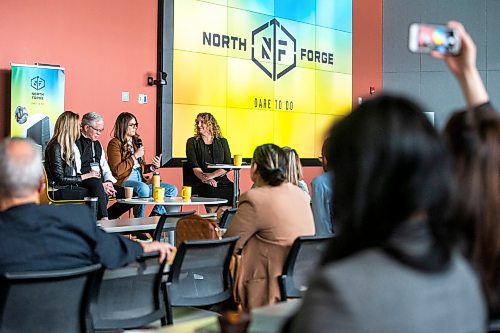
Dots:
pixel 130 296
pixel 227 217
pixel 199 275
pixel 48 301
pixel 301 261
pixel 159 227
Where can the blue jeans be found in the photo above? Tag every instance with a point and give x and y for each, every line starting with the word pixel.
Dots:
pixel 144 190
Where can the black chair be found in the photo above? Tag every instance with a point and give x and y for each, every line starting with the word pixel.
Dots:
pixel 227 217
pixel 188 176
pixel 199 275
pixel 130 296
pixel 173 215
pixel 304 255
pixel 47 301
pixel 494 325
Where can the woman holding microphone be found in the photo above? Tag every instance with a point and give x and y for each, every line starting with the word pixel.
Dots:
pixel 126 160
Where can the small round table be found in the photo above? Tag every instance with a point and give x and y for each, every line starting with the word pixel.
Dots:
pixel 174 201
pixel 236 182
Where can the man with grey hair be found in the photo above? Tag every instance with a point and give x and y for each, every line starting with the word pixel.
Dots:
pixel 91 155
pixel 47 237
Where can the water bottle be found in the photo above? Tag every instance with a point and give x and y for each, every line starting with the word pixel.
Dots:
pixel 156 179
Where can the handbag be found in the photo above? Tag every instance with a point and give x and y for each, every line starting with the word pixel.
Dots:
pixel 194 227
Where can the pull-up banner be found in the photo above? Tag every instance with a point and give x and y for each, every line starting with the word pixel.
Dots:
pixel 37 99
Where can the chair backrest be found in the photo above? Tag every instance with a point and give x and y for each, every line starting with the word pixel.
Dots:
pixel 48 301
pixel 130 296
pixel 187 174
pixel 169 215
pixel 195 227
pixel 199 274
pixel 227 217
pixel 301 261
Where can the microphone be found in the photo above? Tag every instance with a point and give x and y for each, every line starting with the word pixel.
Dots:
pixel 138 143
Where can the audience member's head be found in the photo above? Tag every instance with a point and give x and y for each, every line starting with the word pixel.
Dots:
pixel 66 132
pixel 125 127
pixel 474 141
pixel 390 167
pixel 269 165
pixel 206 125
pixel 92 125
pixel 20 168
pixel 293 172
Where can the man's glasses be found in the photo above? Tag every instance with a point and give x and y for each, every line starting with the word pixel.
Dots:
pixel 99 131
pixel 135 125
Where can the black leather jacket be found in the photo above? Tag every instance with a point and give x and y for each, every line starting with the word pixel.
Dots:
pixel 58 171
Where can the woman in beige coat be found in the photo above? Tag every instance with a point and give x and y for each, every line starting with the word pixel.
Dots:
pixel 269 218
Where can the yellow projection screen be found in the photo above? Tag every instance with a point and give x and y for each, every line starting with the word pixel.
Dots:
pixel 268 70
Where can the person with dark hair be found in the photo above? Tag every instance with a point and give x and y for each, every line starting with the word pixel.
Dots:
pixel 473 137
pixel 321 201
pixel 269 218
pixel 49 237
pixel 392 267
pixel 126 161
pixel 206 147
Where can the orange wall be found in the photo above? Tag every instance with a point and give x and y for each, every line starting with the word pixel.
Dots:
pixel 109 46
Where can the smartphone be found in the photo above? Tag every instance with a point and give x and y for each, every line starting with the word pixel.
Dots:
pixel 425 38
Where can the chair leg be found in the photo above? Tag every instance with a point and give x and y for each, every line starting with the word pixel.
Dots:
pixel 168 307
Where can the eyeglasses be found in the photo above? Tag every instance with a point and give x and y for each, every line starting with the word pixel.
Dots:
pixel 135 125
pixel 99 131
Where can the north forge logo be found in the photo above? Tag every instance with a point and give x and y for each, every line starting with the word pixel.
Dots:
pixel 274 48
pixel 272 44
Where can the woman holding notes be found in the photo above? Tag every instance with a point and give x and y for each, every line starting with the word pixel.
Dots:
pixel 126 160
pixel 207 146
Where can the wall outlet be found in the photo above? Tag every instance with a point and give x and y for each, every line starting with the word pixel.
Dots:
pixel 125 96
pixel 143 99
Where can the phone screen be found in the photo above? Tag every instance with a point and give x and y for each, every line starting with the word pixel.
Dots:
pixel 427 38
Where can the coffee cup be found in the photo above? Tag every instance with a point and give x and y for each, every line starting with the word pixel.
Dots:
pixel 159 194
pixel 129 192
pixel 186 192
pixel 238 159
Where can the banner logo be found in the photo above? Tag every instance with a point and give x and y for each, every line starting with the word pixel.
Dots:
pixel 37 83
pixel 272 44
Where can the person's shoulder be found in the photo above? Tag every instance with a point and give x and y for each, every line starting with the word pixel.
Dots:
pixel 191 140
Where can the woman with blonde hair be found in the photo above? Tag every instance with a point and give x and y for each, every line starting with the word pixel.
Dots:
pixel 293 172
pixel 206 147
pixel 62 160
pixel 126 160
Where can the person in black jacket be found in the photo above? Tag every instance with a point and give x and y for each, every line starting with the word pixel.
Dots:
pixel 47 237
pixel 60 162
pixel 209 147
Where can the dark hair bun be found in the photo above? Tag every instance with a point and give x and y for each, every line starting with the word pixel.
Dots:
pixel 276 177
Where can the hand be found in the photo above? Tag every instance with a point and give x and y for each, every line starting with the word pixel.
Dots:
pixel 91 174
pixel 139 152
pixel 165 249
pixel 109 189
pixel 466 59
pixel 156 161
pixel 463 66
pixel 211 182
